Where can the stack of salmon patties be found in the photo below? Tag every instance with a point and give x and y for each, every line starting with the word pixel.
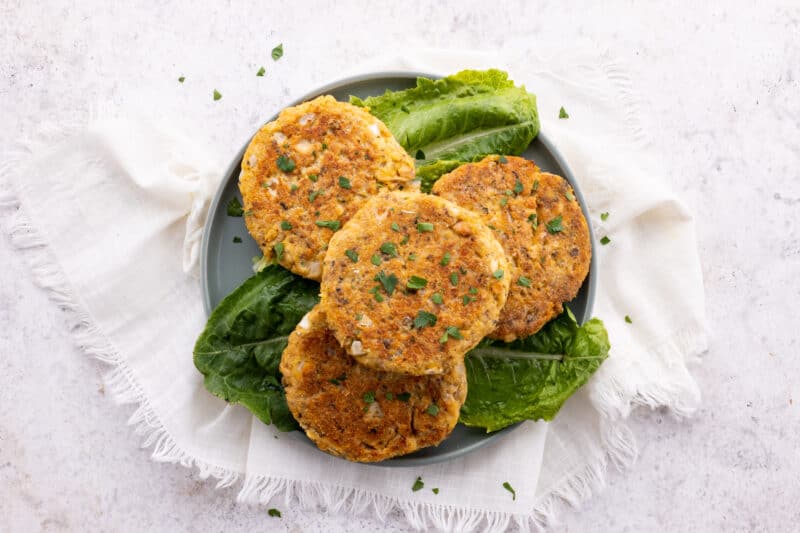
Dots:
pixel 409 282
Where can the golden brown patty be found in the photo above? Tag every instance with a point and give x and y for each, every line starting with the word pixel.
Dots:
pixel 413 282
pixel 362 414
pixel 541 227
pixel 307 172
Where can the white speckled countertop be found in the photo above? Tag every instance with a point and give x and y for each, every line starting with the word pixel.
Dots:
pixel 721 91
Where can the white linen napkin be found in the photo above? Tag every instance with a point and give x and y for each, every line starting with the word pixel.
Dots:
pixel 110 219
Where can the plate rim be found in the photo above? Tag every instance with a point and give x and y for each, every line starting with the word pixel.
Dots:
pixel 236 162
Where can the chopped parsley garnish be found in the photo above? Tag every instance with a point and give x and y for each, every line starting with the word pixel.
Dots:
pixel 554 226
pixel 313 177
pixel 424 227
pixel 344 183
pixel 446 259
pixel 265 185
pixel 502 160
pixel 535 186
pixel 351 254
pixel 628 319
pixel 450 331
pixel 605 240
pixel 569 196
pixel 234 207
pixel 389 396
pixel 454 279
pixel 419 155
pixel 369 397
pixel 424 319
pixel 432 409
pixel 359 316
pixel 435 490
pixel 504 201
pixel 395 226
pixel 182 79
pixel 412 257
pixel 418 484
pixel 498 274
pixel 491 227
pixel 524 282
pixel 375 294
pixel 261 72
pixel 509 488
pixel 313 194
pixel 237 239
pixel 286 225
pixel 334 381
pixel 518 188
pixel 473 290
pixel 404 240
pixel 533 218
pixel 217 95
pixel 404 396
pixel 324 146
pixel 389 281
pixel 375 260
pixel 278 248
pixel 285 163
pixel 562 113
pixel 274 512
pixel 332 225
pixel 389 248
pixel 467 299
pixel 437 298
pixel 604 216
pixel 294 187
pixel 416 282
pixel 277 52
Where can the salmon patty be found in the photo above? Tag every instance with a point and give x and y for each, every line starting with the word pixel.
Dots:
pixel 306 173
pixel 362 414
pixel 412 283
pixel 537 219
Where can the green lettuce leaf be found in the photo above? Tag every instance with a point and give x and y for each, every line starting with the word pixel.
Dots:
pixel 463 117
pixel 240 348
pixel 531 378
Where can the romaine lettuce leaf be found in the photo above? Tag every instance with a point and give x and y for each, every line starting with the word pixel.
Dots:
pixel 240 348
pixel 531 378
pixel 463 117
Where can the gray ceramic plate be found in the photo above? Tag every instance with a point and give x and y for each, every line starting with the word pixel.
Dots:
pixel 225 265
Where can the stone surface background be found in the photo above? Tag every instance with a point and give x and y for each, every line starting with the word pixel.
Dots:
pixel 721 92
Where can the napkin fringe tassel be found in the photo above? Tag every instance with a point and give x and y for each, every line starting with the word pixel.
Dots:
pixel 47 274
pixel 421 516
pixel 679 396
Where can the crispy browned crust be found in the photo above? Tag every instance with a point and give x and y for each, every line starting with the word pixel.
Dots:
pixel 555 263
pixel 377 328
pixel 325 139
pixel 358 413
